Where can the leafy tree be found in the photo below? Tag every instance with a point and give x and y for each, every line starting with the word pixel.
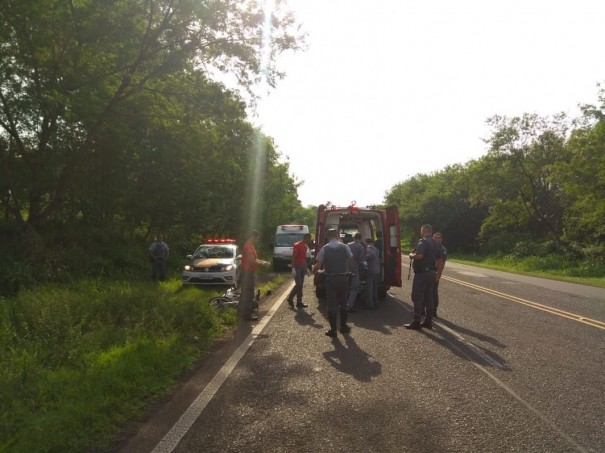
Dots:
pixel 583 178
pixel 442 200
pixel 67 69
pixel 524 151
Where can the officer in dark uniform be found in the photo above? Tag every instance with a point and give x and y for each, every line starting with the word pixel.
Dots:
pixel 424 258
pixel 440 265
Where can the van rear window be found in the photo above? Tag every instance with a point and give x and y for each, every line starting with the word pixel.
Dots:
pixel 287 240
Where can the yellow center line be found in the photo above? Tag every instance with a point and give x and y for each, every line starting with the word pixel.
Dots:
pixel 537 306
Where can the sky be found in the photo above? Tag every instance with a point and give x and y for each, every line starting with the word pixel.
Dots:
pixel 388 89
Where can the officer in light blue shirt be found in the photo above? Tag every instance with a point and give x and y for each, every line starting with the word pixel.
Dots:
pixel 372 257
pixel 158 255
pixel 358 250
pixel 334 258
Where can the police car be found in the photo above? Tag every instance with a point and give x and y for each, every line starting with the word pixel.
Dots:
pixel 215 262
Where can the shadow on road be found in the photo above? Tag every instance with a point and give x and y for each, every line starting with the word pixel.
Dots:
pixel 461 347
pixel 304 318
pixel 385 319
pixel 465 349
pixel 350 359
pixel 465 331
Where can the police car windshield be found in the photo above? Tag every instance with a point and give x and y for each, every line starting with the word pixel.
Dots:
pixel 288 239
pixel 215 251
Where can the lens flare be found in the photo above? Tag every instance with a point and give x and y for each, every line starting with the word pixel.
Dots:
pixel 258 160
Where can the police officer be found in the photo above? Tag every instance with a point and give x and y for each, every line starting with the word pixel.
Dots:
pixel 440 265
pixel 334 257
pixel 424 258
pixel 158 254
pixel 358 250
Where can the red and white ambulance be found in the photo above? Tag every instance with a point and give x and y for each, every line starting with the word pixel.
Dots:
pixel 382 225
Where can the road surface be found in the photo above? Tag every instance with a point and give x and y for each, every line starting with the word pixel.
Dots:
pixel 513 364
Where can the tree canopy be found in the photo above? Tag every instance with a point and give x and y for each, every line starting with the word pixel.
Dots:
pixel 102 103
pixel 542 179
pixel 115 118
pixel 110 108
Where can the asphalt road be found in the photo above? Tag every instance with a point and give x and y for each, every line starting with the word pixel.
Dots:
pixel 513 364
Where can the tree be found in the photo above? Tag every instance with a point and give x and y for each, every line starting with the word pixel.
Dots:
pixel 442 200
pixel 523 154
pixel 583 177
pixel 68 69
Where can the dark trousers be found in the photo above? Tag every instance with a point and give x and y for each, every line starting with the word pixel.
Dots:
pixel 436 296
pixel 337 292
pixel 246 300
pixel 372 289
pixel 299 280
pixel 422 294
pixel 158 269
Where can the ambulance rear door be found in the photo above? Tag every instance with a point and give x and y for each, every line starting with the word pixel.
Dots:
pixel 392 263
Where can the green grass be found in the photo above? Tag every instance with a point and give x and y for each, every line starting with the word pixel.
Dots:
pixel 77 361
pixel 555 267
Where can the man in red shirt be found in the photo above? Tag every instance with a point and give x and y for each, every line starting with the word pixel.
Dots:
pixel 247 276
pixel 299 270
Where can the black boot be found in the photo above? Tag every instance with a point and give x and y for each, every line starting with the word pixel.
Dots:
pixel 332 320
pixel 428 322
pixel 415 324
pixel 344 328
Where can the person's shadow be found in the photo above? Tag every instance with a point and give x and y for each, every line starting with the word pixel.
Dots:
pixel 465 331
pixel 349 358
pixel 304 318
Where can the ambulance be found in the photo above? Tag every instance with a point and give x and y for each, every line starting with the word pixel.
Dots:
pixel 285 238
pixel 382 225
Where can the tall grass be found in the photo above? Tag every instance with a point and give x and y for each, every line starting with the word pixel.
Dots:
pixel 78 360
pixel 554 266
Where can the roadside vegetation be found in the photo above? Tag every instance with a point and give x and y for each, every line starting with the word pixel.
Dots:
pixel 78 360
pixel 584 272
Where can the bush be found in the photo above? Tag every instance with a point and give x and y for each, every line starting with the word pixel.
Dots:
pixel 503 242
pixel 60 258
pixel 595 253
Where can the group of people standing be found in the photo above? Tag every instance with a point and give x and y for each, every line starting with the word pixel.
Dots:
pixel 365 260
pixel 343 263
pixel 428 260
pixel 342 266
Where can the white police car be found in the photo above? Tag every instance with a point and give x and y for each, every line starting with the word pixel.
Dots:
pixel 215 262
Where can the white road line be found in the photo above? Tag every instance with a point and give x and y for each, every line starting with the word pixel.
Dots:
pixel 183 424
pixel 476 349
pixel 501 384
pixel 542 417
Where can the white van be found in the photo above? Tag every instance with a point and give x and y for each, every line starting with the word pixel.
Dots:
pixel 285 238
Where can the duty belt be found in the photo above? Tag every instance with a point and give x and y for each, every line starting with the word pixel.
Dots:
pixel 424 269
